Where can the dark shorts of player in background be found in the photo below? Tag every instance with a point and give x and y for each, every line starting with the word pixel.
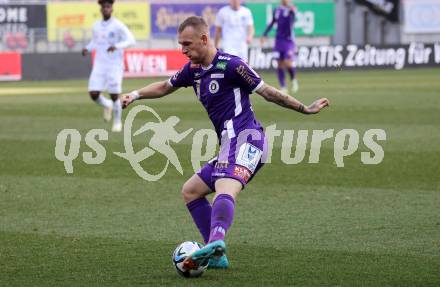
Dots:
pixel 241 162
pixel 285 49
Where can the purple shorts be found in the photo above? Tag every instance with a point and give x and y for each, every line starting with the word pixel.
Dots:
pixel 285 49
pixel 240 158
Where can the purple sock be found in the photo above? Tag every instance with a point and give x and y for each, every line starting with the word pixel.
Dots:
pixel 222 216
pixel 201 210
pixel 291 71
pixel 281 80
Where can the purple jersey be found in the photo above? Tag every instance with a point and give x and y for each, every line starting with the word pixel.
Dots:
pixel 223 88
pixel 284 17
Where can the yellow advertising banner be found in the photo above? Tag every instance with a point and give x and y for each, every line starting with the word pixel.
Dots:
pixel 76 19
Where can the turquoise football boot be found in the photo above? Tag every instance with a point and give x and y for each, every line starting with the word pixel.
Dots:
pixel 218 262
pixel 201 257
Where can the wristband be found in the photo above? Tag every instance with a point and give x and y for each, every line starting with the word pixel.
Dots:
pixel 135 95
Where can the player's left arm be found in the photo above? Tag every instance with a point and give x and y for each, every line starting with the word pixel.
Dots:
pixel 274 95
pixel 251 32
pixel 293 11
pixel 219 22
pixel 218 32
pixel 245 77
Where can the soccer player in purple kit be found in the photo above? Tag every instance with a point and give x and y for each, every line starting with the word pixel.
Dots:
pixel 222 83
pixel 284 17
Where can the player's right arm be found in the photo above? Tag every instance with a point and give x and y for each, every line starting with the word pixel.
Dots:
pixel 91 45
pixel 152 91
pixel 268 28
pixel 182 78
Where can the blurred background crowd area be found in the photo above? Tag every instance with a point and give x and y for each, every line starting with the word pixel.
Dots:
pixel 39 26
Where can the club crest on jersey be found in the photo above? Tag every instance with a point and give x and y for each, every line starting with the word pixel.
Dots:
pixel 221 65
pixel 213 87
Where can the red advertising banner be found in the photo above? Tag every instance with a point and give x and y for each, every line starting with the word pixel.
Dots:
pixel 10 66
pixel 152 63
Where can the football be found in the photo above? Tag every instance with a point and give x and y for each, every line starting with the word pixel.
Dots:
pixel 181 252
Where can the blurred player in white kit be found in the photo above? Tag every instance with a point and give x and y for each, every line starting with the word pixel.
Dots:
pixel 235 25
pixel 110 37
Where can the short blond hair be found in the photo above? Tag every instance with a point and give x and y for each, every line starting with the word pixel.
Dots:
pixel 198 23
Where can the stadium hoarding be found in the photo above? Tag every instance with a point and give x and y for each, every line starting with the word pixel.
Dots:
pixel 421 16
pixel 75 18
pixel 10 68
pixel 166 17
pixel 55 66
pixel 353 57
pixel 313 18
pixel 387 8
pixel 16 18
pixel 152 63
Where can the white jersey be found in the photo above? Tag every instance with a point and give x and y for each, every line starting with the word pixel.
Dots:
pixel 234 24
pixel 110 33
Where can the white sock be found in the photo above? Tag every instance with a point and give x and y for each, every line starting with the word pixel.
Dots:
pixel 117 111
pixel 103 101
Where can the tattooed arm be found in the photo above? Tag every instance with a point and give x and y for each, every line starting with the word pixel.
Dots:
pixel 274 95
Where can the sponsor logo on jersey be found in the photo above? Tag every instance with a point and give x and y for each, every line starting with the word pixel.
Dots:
pixel 226 58
pixel 249 156
pixel 221 65
pixel 217 76
pixel 222 164
pixel 243 72
pixel 218 174
pixel 251 153
pixel 242 172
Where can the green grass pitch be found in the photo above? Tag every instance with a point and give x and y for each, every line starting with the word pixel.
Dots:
pixel 295 225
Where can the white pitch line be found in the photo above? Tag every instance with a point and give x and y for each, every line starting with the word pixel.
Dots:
pixel 40 90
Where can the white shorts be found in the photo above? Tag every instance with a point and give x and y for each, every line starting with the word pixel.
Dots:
pixel 241 52
pixel 106 78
